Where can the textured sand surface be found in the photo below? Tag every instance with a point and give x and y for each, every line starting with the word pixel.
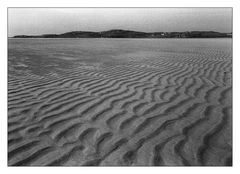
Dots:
pixel 119 102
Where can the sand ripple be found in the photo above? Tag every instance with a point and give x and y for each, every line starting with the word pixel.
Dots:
pixel 172 109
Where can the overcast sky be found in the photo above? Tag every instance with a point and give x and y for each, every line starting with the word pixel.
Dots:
pixel 33 21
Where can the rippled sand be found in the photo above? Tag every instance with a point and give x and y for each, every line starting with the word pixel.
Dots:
pixel 119 102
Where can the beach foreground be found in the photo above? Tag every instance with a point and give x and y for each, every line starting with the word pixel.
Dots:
pixel 119 102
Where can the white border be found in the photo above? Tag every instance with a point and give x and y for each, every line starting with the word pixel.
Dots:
pixel 121 3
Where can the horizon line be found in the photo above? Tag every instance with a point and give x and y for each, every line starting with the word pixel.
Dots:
pixel 119 29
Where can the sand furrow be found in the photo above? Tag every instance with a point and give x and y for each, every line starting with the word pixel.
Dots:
pixel 171 106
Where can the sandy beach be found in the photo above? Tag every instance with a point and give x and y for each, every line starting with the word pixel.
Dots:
pixel 126 102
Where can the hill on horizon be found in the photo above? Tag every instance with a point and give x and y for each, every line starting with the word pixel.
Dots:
pixel 119 33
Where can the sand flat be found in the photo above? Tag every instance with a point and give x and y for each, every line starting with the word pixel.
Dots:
pixel 117 102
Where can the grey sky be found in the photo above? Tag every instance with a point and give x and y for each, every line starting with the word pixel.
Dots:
pixel 32 21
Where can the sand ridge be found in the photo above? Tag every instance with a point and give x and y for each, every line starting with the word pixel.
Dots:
pixel 172 109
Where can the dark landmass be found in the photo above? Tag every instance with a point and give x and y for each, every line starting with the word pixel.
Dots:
pixel 132 34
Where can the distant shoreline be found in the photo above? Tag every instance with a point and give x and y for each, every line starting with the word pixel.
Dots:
pixel 122 38
pixel 131 34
